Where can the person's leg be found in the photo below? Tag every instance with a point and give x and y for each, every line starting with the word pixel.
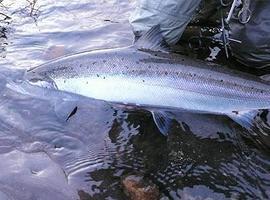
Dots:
pixel 172 16
pixel 254 34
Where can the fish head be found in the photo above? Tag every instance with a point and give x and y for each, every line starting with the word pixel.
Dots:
pixel 40 79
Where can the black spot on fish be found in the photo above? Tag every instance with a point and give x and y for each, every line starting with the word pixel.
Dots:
pixel 143 80
pixel 122 59
pixel 80 65
pixel 104 77
pixel 261 92
pixel 94 63
pixel 183 59
pixel 97 75
pixel 155 54
pixel 86 82
pixel 104 61
pixel 73 112
pixel 64 81
pixel 235 112
pixel 166 73
pixel 221 80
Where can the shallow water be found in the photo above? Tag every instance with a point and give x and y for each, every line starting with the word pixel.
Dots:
pixel 86 157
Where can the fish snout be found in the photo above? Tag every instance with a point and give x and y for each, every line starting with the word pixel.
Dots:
pixel 40 80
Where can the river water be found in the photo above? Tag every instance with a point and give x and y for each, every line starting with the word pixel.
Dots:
pixel 43 156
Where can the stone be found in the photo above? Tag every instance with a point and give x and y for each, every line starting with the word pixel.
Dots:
pixel 137 188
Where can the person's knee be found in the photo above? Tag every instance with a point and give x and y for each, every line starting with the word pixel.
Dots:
pixel 172 16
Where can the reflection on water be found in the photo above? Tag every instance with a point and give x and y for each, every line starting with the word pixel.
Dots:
pixel 62 27
pixel 86 157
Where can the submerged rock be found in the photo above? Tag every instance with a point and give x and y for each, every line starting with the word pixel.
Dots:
pixel 137 188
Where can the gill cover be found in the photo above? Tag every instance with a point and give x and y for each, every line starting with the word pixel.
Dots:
pixel 40 80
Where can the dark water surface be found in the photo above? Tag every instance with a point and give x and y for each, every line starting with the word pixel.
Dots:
pixel 43 156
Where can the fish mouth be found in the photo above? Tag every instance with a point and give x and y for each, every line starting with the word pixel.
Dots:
pixel 40 80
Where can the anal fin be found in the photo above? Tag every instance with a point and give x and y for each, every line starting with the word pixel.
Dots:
pixel 256 121
pixel 244 118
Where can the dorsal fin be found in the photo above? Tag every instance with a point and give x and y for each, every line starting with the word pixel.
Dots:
pixel 152 40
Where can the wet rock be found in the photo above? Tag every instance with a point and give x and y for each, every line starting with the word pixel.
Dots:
pixel 137 188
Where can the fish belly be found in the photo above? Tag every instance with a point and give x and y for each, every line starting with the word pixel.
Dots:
pixel 139 92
